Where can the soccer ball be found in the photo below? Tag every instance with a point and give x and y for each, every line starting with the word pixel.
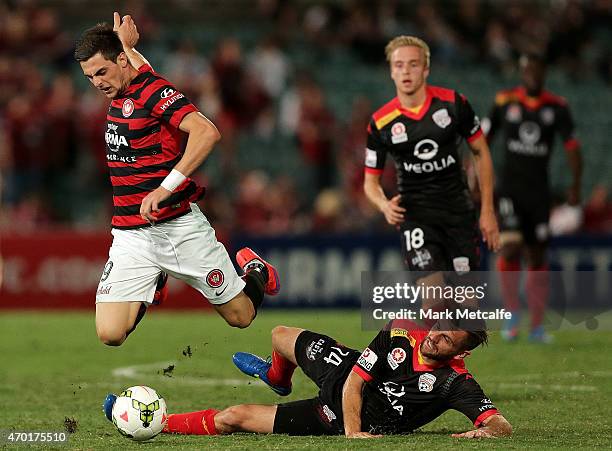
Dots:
pixel 139 413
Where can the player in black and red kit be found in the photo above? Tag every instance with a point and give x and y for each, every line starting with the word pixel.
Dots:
pixel 157 227
pixel 529 118
pixel 422 128
pixel 404 379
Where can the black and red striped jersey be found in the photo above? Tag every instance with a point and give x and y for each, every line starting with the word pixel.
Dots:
pixel 143 144
pixel 403 392
pixel 425 148
pixel 528 126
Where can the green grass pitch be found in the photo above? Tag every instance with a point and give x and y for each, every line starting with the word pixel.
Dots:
pixel 556 396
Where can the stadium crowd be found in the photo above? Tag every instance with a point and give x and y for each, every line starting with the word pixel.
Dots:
pixel 52 151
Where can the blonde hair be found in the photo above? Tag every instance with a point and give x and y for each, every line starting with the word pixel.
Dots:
pixel 405 41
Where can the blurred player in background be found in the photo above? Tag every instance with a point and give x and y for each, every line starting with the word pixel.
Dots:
pixel 528 117
pixel 157 227
pixel 404 379
pixel 422 128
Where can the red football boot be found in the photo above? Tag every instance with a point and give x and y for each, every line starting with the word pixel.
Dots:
pixel 161 289
pixel 249 260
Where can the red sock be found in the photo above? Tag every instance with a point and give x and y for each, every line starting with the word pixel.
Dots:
pixel 510 276
pixel 538 281
pixel 281 371
pixel 192 423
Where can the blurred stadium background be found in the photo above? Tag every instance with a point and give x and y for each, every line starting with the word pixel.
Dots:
pixel 290 84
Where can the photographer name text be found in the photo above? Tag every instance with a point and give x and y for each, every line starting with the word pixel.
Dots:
pixel 457 314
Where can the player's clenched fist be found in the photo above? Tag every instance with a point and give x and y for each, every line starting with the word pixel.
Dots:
pixel 150 204
pixel 394 214
pixel 126 29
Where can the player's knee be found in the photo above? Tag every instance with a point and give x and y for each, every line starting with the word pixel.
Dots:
pixel 111 336
pixel 240 319
pixel 284 339
pixel 279 336
pixel 112 339
pixel 279 331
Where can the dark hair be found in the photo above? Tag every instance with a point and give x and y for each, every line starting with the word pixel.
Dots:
pixel 476 338
pixel 476 331
pixel 100 38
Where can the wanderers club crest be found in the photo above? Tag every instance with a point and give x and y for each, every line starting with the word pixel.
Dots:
pixel 441 118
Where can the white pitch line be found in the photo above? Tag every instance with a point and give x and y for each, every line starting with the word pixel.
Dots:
pixel 137 372
pixel 561 374
pixel 134 370
pixel 551 387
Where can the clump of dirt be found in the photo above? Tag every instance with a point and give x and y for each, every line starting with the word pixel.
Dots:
pixel 168 371
pixel 71 425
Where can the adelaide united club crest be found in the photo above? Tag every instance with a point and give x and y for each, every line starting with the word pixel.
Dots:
pixel 441 118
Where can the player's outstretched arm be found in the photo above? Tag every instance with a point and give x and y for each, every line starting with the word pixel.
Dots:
pixel 352 400
pixel 128 34
pixel 574 158
pixel 494 426
pixel 484 169
pixel 203 135
pixel 394 213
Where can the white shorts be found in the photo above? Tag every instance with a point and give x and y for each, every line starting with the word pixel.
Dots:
pixel 185 248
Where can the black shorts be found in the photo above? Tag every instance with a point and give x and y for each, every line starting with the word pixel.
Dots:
pixel 529 217
pixel 327 363
pixel 431 246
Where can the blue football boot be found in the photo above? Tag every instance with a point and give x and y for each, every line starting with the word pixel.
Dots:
pixel 107 406
pixel 255 366
pixel 539 336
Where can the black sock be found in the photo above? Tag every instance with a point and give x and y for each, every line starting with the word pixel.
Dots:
pixel 141 313
pixel 254 288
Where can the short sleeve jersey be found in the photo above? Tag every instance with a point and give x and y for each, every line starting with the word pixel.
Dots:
pixel 425 148
pixel 143 144
pixel 403 393
pixel 528 126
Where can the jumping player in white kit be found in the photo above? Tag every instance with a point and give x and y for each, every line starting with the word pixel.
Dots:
pixel 158 230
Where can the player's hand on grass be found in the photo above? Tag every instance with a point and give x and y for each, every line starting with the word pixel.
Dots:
pixel 362 435
pixel 394 214
pixel 476 433
pixel 150 204
pixel 489 230
pixel 126 29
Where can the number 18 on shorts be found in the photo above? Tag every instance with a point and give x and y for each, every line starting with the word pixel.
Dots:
pixel 438 247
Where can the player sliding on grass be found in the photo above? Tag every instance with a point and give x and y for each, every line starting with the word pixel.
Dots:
pixel 403 380
pixel 157 227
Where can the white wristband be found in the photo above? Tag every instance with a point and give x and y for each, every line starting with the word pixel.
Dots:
pixel 173 180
